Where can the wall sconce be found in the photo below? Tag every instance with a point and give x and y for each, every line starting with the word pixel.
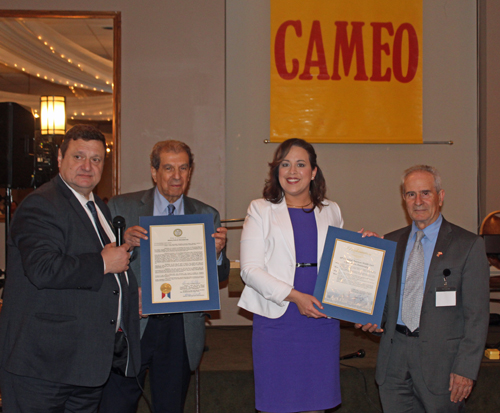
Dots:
pixel 53 115
pixel 109 148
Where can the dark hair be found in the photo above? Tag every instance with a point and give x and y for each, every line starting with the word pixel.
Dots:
pixel 85 132
pixel 169 146
pixel 273 192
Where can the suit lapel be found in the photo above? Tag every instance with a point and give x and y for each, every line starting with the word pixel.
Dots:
pixel 189 208
pixel 147 205
pixel 442 244
pixel 284 224
pixel 78 208
pixel 104 210
pixel 400 257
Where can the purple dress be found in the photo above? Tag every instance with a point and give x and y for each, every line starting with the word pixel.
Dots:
pixel 296 359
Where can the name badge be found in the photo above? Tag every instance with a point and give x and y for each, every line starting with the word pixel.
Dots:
pixel 446 297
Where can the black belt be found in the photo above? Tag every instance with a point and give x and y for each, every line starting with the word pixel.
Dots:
pixel 406 331
pixel 304 264
pixel 162 316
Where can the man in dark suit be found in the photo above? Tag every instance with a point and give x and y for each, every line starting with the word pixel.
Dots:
pixel 437 310
pixel 171 344
pixel 61 310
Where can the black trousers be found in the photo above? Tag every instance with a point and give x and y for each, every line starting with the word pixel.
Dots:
pixel 22 394
pixel 164 355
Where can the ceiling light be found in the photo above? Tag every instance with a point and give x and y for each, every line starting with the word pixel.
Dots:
pixel 53 115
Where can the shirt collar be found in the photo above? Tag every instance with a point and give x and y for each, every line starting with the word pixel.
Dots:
pixel 161 204
pixel 431 232
pixel 78 195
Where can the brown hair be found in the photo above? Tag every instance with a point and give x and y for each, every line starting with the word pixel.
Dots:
pixel 169 146
pixel 85 132
pixel 273 192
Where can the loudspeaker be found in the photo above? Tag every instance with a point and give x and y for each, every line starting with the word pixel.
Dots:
pixel 17 136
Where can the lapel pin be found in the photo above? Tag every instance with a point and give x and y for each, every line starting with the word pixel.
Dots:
pixel 439 254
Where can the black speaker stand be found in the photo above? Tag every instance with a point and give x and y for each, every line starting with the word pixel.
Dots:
pixel 7 199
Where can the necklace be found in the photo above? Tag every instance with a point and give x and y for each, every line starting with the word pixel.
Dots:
pixel 298 206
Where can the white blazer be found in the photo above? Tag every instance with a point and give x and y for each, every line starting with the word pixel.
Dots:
pixel 267 254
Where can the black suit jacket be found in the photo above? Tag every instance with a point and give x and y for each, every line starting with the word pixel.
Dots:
pixel 452 338
pixel 59 315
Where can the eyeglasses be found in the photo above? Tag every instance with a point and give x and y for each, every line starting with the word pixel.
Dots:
pixel 411 195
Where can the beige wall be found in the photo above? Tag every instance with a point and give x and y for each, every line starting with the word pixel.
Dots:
pixel 490 105
pixel 173 85
pixel 363 179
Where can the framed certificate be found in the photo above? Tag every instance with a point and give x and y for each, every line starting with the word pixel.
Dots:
pixel 354 275
pixel 179 264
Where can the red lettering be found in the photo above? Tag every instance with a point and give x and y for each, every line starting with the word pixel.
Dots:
pixel 315 42
pixel 346 48
pixel 412 53
pixel 378 48
pixel 279 50
pixel 342 45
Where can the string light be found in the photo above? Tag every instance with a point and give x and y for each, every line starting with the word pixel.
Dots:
pixel 69 60
pixel 72 85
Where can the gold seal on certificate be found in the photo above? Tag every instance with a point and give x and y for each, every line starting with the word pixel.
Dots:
pixel 165 289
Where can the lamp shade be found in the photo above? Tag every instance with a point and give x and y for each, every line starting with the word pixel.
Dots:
pixel 53 115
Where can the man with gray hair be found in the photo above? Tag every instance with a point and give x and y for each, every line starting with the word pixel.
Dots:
pixel 437 310
pixel 171 344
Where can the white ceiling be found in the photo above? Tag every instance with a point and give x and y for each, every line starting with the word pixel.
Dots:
pixel 95 35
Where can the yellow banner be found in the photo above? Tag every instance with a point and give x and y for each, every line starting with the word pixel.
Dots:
pixel 346 71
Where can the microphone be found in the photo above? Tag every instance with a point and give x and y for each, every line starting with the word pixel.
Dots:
pixel 119 225
pixel 358 354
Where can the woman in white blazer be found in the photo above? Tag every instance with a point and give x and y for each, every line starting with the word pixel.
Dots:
pixel 295 347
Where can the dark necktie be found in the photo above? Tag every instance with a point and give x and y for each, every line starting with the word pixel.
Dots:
pixel 121 277
pixel 100 230
pixel 170 209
